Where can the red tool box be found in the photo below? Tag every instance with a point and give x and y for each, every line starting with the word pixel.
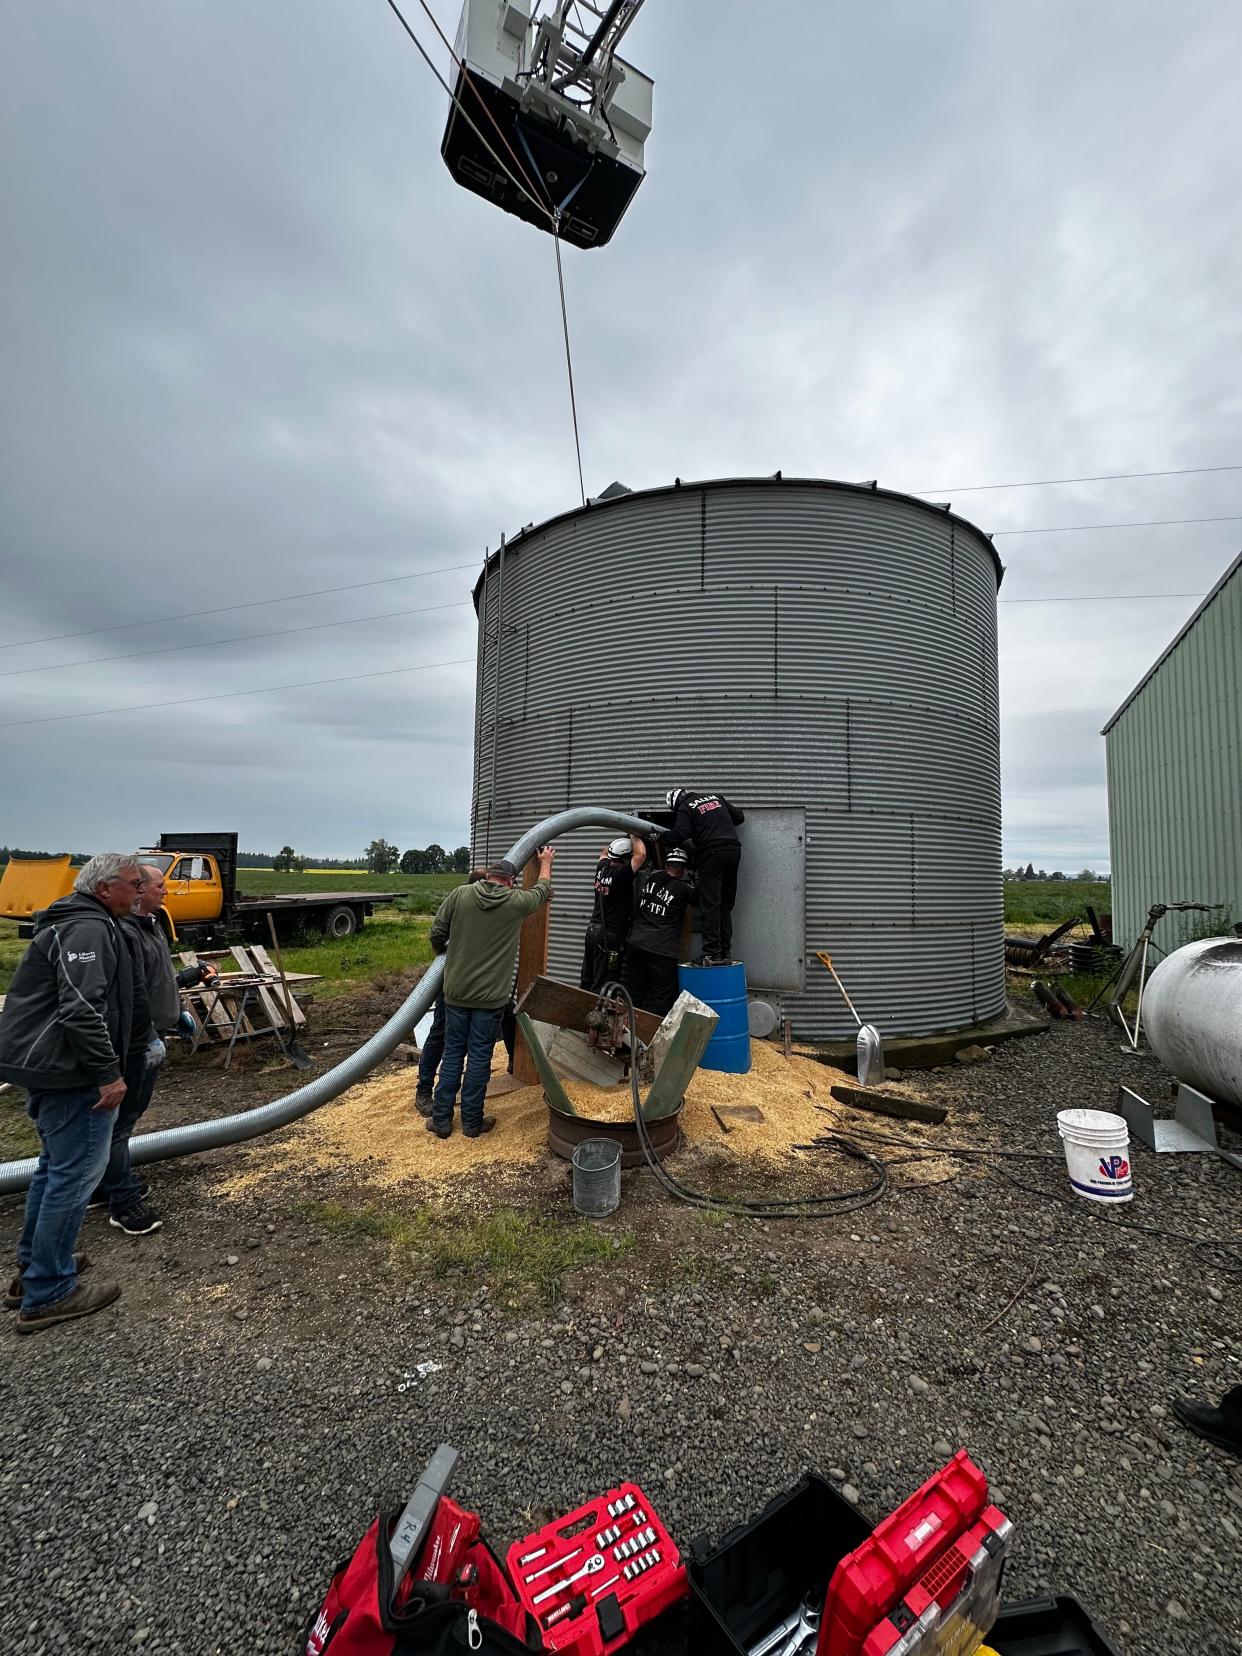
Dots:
pixel 927 1578
pixel 592 1578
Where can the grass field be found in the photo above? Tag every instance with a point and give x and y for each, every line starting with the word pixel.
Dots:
pixel 391 940
pixel 1045 903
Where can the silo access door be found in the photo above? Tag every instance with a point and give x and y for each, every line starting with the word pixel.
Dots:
pixel 769 917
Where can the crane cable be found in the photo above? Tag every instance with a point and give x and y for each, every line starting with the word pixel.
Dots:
pixel 524 184
pixel 569 361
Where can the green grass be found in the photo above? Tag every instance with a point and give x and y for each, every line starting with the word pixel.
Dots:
pixel 12 948
pixel 423 892
pixel 1045 903
pixel 392 940
pixel 522 1257
pixel 17 1132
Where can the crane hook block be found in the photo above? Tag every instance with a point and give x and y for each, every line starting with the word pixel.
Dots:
pixel 547 121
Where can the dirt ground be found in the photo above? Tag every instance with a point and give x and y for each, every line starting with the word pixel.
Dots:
pixel 231 1424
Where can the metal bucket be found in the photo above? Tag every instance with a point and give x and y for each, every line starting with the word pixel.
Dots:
pixel 597 1178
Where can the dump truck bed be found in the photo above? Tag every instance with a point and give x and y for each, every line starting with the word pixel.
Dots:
pixel 313 899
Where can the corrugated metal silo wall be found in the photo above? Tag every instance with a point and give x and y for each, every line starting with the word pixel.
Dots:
pixel 1175 779
pixel 823 647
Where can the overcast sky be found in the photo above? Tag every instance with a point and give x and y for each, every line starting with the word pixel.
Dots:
pixel 254 341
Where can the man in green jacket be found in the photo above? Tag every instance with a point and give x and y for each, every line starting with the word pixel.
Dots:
pixel 477 926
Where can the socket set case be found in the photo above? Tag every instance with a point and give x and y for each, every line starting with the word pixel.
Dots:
pixel 640 1574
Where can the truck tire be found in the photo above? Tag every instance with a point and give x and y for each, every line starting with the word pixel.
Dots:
pixel 341 921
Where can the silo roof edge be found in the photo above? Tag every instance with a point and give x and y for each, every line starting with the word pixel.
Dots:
pixel 598 505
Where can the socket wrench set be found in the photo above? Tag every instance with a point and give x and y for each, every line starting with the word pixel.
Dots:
pixel 592 1578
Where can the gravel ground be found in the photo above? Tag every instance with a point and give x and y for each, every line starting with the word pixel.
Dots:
pixel 180 1472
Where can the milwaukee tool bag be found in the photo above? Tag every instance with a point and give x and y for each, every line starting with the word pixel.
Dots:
pixel 456 1598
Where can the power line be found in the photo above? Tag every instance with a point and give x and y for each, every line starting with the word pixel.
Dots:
pixel 457 104
pixel 1146 523
pixel 1100 597
pixel 224 609
pixel 1100 477
pixel 486 108
pixel 228 695
pixel 241 638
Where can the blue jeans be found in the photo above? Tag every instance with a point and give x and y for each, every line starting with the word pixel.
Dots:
pixel 75 1139
pixel 433 1049
pixel 119 1183
pixel 470 1035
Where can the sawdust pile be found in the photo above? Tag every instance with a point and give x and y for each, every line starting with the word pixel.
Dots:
pixel 375 1128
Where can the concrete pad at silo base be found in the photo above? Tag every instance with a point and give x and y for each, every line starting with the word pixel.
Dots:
pixel 931 1051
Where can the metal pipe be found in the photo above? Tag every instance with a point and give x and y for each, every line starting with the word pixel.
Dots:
pixel 235 1129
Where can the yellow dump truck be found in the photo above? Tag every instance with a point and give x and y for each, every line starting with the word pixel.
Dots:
pixel 203 902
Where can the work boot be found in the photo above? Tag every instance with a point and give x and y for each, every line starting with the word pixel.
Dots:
pixel 1208 1423
pixel 80 1303
pixel 13 1297
pixel 440 1132
pixel 137 1219
pixel 485 1126
pixel 423 1102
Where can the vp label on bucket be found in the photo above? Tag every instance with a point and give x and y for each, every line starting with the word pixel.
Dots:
pixel 1097 1154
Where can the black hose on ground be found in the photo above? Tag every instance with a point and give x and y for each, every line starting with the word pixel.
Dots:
pixel 825 1205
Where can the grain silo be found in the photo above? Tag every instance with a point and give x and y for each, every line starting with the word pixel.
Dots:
pixel 824 653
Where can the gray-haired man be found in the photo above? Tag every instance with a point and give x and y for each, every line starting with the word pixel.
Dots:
pixel 120 1190
pixel 64 1035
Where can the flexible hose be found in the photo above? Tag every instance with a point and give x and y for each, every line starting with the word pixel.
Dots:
pixel 824 1204
pixel 235 1129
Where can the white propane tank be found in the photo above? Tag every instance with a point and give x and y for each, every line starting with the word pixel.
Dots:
pixel 1192 1015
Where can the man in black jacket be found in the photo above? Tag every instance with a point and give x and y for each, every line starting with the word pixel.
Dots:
pixel 706 823
pixel 120 1190
pixel 65 1032
pixel 662 896
pixel 604 948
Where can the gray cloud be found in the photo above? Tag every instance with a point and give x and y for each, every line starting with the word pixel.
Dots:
pixel 255 341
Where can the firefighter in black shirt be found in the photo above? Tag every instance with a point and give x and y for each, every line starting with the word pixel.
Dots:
pixel 706 823
pixel 606 935
pixel 662 897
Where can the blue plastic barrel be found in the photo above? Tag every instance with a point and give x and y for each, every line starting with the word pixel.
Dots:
pixel 723 988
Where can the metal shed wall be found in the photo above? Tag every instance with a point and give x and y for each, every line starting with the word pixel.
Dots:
pixel 796 644
pixel 1174 757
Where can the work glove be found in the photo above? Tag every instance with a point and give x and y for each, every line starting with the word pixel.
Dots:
pixel 156 1053
pixel 186 1027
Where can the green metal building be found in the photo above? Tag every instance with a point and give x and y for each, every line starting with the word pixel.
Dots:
pixel 1174 754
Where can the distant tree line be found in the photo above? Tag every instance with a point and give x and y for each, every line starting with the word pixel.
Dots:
pixel 1030 872
pixel 265 859
pixel 7 851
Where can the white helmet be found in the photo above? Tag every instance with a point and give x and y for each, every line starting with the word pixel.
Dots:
pixel 672 796
pixel 621 847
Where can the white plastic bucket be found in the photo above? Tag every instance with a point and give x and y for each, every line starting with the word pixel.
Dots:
pixel 1097 1154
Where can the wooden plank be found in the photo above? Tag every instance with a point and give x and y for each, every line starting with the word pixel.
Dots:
pixel 532 964
pixel 890 1104
pixel 549 1001
pixel 264 960
pixel 728 1115
pixel 275 1016
pixel 219 1018
pixel 684 1035
pixel 555 1094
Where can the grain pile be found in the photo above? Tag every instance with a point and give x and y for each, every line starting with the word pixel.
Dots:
pixel 375 1128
